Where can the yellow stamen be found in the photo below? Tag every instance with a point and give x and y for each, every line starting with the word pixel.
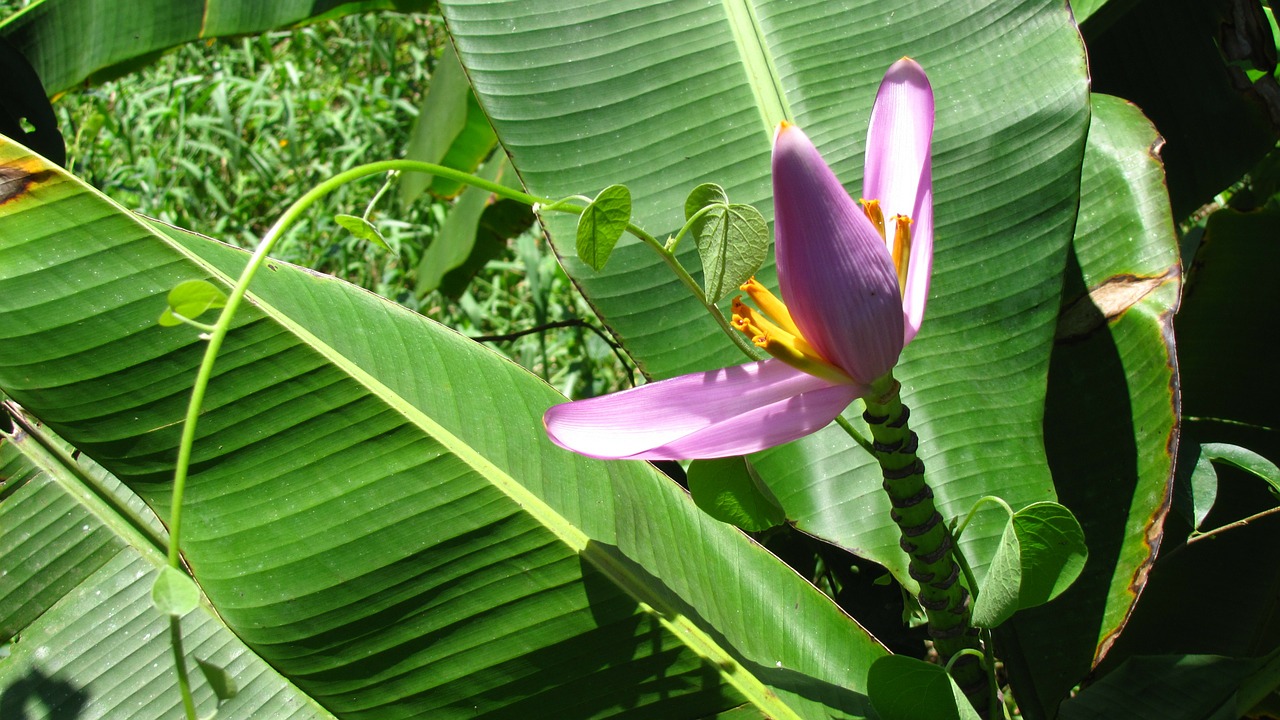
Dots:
pixel 902 249
pixel 874 214
pixel 770 305
pixel 790 348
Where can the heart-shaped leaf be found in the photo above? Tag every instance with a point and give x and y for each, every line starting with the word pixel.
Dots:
pixel 1041 552
pixel 904 688
pixel 732 239
pixel 602 224
pixel 729 490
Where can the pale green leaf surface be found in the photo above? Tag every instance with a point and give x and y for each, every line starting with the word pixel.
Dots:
pixel 174 593
pixel 374 507
pixel 362 229
pixel 191 299
pixel 732 239
pixel 665 96
pixel 75 600
pixel 702 196
pixel 998 599
pixel 733 242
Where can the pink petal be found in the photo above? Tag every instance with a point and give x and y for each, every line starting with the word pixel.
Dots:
pixel 898 173
pixel 720 413
pixel 835 273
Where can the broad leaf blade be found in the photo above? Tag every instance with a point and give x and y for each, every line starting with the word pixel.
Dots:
pixel 374 506
pixel 75 598
pixel 1113 385
pixel 729 490
pixel 688 93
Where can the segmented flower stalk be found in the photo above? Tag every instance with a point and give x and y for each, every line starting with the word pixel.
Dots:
pixel 925 538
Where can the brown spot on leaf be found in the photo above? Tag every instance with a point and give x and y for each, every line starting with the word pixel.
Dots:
pixel 1108 301
pixel 17 178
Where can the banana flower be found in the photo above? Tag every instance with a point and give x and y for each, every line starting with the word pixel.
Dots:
pixel 854 278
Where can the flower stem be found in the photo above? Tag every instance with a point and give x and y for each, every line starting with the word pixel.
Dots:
pixel 925 537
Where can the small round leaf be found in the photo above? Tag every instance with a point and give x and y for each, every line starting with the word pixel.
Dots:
pixel 191 299
pixel 1053 551
pixel 174 593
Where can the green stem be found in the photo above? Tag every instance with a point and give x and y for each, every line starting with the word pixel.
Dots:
pixel 973 510
pixel 685 278
pixel 853 433
pixel 180 664
pixel 988 647
pixel 391 178
pixel 925 537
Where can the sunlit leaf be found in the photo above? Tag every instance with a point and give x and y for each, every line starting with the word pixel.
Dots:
pixel 191 299
pixel 732 239
pixel 173 592
pixel 367 488
pixel 362 229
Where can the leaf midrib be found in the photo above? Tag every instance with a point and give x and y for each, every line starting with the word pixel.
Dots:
pixel 757 61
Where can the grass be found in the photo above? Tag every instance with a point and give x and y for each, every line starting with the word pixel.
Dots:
pixel 219 137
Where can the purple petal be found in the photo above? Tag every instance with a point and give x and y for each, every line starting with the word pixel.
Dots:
pixel 834 270
pixel 899 174
pixel 720 413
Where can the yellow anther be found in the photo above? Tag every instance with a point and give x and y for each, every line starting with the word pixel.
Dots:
pixel 902 249
pixel 788 347
pixel 770 305
pixel 874 214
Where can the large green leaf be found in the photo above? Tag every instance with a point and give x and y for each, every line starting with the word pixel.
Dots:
pixel 664 96
pixel 374 508
pixel 1111 421
pixel 75 602
pixel 75 41
pixel 1222 598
